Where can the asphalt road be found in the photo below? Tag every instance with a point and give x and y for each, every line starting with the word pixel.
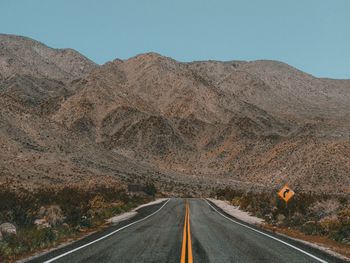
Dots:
pixel 213 236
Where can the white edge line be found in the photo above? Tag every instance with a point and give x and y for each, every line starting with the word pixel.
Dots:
pixel 274 238
pixel 103 237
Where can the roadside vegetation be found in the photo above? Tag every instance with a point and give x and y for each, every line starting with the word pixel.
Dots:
pixel 30 221
pixel 312 214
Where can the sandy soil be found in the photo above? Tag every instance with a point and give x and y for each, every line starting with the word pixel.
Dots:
pixel 237 213
pixel 132 213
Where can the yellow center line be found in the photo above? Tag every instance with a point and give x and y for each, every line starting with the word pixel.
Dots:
pixel 186 239
pixel 183 250
pixel 189 247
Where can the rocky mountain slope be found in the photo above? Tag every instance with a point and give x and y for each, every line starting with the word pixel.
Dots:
pixel 24 56
pixel 184 125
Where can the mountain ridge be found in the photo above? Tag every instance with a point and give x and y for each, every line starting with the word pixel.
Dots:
pixel 190 125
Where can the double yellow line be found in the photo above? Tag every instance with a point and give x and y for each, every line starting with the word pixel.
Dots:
pixel 186 240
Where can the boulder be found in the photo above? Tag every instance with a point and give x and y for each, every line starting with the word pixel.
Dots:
pixel 280 218
pixel 41 223
pixel 52 214
pixel 8 229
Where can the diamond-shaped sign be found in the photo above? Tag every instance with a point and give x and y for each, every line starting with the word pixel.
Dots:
pixel 286 193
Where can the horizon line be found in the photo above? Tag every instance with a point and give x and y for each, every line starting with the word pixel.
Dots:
pixel 177 60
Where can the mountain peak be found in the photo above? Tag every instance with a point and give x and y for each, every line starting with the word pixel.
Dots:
pixel 23 55
pixel 149 55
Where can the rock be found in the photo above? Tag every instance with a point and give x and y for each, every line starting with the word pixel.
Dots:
pixel 41 223
pixel 52 214
pixel 268 217
pixel 8 228
pixel 280 218
pixel 65 225
pixel 274 209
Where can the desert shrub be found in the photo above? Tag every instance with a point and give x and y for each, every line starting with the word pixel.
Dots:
pixel 111 194
pixel 313 214
pixel 150 189
pixel 330 224
pixel 26 240
pixel 296 219
pixel 67 209
pixel 46 196
pixel 245 202
pixel 18 207
pixel 324 208
pixel 236 201
pixel 268 202
pixel 97 202
pixel 343 201
pixel 312 228
pixel 80 206
pixel 227 193
pixel 344 215
pixel 343 233
pixel 74 204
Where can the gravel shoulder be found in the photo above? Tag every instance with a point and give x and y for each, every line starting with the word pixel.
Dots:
pixel 114 223
pixel 237 213
pixel 127 215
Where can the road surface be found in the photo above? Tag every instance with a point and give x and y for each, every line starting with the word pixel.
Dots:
pixel 181 231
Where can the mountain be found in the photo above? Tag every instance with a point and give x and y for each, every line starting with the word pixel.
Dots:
pixel 24 56
pixel 186 126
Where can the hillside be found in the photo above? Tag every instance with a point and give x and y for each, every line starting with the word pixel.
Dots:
pixel 24 56
pixel 185 126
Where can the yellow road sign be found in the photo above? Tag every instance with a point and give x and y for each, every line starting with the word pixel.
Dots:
pixel 286 193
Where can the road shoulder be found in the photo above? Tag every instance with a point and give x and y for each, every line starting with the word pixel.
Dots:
pixel 333 257
pixel 141 211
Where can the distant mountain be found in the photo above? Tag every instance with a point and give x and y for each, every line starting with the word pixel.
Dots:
pixel 24 56
pixel 188 126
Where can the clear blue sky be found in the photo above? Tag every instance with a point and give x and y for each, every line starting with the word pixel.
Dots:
pixel 312 35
